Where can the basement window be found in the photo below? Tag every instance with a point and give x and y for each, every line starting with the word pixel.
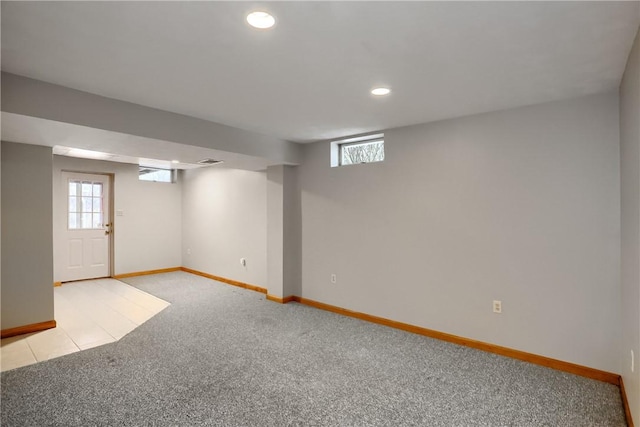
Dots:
pixel 156 174
pixel 358 150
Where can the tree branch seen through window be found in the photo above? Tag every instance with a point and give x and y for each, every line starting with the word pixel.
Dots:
pixel 365 152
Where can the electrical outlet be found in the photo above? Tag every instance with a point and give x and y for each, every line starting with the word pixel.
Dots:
pixel 334 279
pixel 243 262
pixel 497 306
pixel 189 251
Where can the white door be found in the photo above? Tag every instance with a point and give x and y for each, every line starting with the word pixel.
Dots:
pixel 86 237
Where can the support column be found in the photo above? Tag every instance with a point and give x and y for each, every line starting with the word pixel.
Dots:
pixel 284 264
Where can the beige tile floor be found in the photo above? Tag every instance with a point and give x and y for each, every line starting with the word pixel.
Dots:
pixel 88 314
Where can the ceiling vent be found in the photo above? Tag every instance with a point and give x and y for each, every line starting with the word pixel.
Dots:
pixel 209 162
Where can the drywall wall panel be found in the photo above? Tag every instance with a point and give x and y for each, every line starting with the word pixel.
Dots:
pixel 291 237
pixel 147 221
pixel 224 219
pixel 275 230
pixel 27 245
pixel 0 229
pixel 520 206
pixel 630 194
pixel 283 231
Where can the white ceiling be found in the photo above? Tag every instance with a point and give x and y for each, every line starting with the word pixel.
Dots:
pixel 309 77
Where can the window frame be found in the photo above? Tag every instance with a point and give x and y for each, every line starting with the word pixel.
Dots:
pixel 172 174
pixel 337 147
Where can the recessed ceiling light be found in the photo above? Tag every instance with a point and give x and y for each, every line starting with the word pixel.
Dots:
pixel 381 91
pixel 261 20
pixel 175 161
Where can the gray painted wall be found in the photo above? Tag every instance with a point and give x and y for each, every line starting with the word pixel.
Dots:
pixel 224 218
pixel 0 230
pixel 27 241
pixel 630 187
pixel 283 231
pixel 275 230
pixel 292 229
pixel 148 235
pixel 521 206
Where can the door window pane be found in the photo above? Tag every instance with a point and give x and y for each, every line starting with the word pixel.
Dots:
pixel 87 204
pixel 85 212
pixel 73 220
pixel 86 189
pixel 97 220
pixel 86 220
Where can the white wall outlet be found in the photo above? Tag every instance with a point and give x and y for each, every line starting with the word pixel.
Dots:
pixel 632 364
pixel 243 262
pixel 119 212
pixel 497 306
pixel 189 251
pixel 334 279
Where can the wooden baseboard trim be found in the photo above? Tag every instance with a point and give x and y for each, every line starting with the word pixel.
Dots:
pixel 27 329
pixel 56 284
pixel 625 404
pixel 283 300
pixel 225 280
pixel 536 359
pixel 560 365
pixel 146 273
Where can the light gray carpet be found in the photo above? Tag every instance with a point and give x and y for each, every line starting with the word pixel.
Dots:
pixel 221 355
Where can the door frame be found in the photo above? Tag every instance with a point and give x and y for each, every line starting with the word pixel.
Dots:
pixel 111 196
